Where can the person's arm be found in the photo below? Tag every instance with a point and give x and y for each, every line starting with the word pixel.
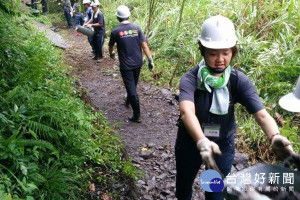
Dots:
pixel 97 25
pixel 111 51
pixel 191 122
pixel 146 50
pixel 89 22
pixel 281 146
pixel 266 122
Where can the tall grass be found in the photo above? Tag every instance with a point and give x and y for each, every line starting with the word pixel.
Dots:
pixel 268 42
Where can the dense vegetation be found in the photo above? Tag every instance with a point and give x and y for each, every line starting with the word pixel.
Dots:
pixel 269 51
pixel 51 144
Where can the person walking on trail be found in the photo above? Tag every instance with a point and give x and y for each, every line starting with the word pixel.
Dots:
pixel 34 4
pixel 44 7
pixel 130 42
pixel 208 93
pixel 88 17
pixel 291 101
pixel 77 12
pixel 98 24
pixel 67 12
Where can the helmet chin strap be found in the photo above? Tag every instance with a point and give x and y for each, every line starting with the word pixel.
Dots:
pixel 215 70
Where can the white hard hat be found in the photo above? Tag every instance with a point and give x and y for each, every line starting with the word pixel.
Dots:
pixel 95 3
pixel 291 101
pixel 123 12
pixel 218 33
pixel 86 1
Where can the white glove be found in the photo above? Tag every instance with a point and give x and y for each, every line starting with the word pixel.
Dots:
pixel 281 147
pixel 207 150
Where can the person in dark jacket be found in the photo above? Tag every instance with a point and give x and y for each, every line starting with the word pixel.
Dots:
pixel 44 7
pixel 67 12
pixel 130 42
pixel 208 93
pixel 97 22
pixel 77 12
pixel 88 17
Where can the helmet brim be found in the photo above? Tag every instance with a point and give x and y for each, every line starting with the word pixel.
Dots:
pixel 217 45
pixel 290 103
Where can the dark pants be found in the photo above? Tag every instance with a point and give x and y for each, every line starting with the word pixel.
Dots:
pixel 90 39
pixel 79 20
pixel 188 161
pixel 130 79
pixel 98 41
pixel 68 18
pixel 44 7
pixel 33 4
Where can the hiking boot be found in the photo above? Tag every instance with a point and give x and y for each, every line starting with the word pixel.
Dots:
pixel 135 119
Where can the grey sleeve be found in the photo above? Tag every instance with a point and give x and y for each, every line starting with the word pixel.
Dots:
pixel 247 95
pixel 188 85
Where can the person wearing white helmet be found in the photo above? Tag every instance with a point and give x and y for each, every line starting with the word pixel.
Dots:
pixel 97 22
pixel 88 17
pixel 291 101
pixel 130 43
pixel 77 12
pixel 208 93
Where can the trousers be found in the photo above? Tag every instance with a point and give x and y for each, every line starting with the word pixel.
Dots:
pixel 188 162
pixel 130 79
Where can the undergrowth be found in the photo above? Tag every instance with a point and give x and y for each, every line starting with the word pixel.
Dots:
pixel 51 143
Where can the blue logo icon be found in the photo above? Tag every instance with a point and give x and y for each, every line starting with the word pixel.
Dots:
pixel 211 181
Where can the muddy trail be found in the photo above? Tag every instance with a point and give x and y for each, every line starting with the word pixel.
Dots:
pixel 149 144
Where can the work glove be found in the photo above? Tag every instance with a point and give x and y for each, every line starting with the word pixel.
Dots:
pixel 207 150
pixel 150 64
pixel 87 25
pixel 112 55
pixel 281 147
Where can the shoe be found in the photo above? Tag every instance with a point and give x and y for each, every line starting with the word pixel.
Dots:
pixel 99 60
pixel 78 34
pixel 135 119
pixel 95 58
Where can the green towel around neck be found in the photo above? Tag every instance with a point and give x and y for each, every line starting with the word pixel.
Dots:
pixel 205 80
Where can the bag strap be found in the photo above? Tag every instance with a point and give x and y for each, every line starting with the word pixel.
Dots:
pixel 232 84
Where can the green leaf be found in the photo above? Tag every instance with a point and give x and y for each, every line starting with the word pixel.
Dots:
pixel 16 108
pixel 8 197
pixel 24 170
pixel 29 198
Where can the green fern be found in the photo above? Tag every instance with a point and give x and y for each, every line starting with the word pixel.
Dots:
pixel 42 129
pixel 38 143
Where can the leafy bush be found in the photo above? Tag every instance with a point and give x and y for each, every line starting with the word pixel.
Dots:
pixel 50 142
